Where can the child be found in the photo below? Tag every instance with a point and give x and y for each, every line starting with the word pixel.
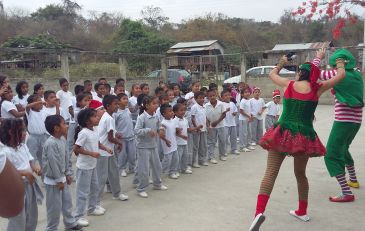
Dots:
pixel 215 112
pixel 36 117
pixel 12 136
pixel 122 82
pixel 88 86
pixel 124 126
pixel 182 138
pixel 106 166
pixel 163 99
pixel 52 105
pixel 199 121
pixel 21 89
pixel 133 107
pixel 168 130
pixel 245 119
pixel 195 87
pixel 145 89
pixel 87 147
pixel 258 107
pixel 99 92
pixel 170 94
pixel 82 101
pixel 39 90
pixel 8 109
pixel 177 92
pixel 273 110
pixel 230 121
pixel 158 92
pixel 57 176
pixel 119 88
pixel 146 131
pixel 65 98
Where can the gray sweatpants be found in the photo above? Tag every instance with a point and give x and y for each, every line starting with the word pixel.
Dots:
pixel 170 163
pixel 27 219
pixel 214 135
pixel 257 130
pixel 127 156
pixel 147 158
pixel 182 152
pixel 231 134
pixel 35 146
pixel 190 149
pixel 270 121
pixel 107 169
pixel 245 133
pixel 87 189
pixel 200 147
pixel 57 201
pixel 70 142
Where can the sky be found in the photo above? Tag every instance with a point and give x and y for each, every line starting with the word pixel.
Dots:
pixel 260 10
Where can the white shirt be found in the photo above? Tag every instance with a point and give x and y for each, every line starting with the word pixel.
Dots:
pixel 2 160
pixel 19 157
pixel 132 101
pixel 97 98
pixel 23 102
pixel 273 109
pixel 6 107
pixel 52 111
pixel 88 140
pixel 65 102
pixel 170 133
pixel 200 117
pixel 214 113
pixel 257 105
pixel 191 100
pixel 230 120
pixel 36 121
pixel 106 125
pixel 245 105
pixel 184 125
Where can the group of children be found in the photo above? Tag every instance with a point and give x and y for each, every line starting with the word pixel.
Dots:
pixel 115 133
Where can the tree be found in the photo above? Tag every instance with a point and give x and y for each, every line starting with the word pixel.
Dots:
pixel 153 16
pixel 37 42
pixel 339 10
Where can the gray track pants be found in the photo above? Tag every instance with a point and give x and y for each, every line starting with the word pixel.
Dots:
pixel 57 201
pixel 87 189
pixel 127 156
pixel 245 133
pixel 231 134
pixel 257 129
pixel 107 169
pixel 70 142
pixel 182 152
pixel 170 163
pixel 35 146
pixel 200 147
pixel 147 158
pixel 190 149
pixel 216 134
pixel 270 121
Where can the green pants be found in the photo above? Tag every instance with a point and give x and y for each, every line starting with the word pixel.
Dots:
pixel 338 155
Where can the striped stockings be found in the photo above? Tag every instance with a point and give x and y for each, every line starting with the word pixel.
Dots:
pixel 352 173
pixel 343 184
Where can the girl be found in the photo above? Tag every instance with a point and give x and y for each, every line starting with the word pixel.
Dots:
pixel 20 100
pixel 39 90
pixel 87 147
pixel 8 109
pixel 146 131
pixel 257 108
pixel 145 89
pixel 12 135
pixel 3 84
pixel 294 134
pixel 133 107
pixel 177 92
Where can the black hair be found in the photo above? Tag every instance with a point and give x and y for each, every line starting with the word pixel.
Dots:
pixel 100 79
pixel 213 86
pixel 107 85
pixel 164 108
pixel 84 116
pixel 199 93
pixel 89 94
pixel 80 97
pixel 203 89
pixel 143 85
pixel 177 107
pixel 52 121
pixel 62 81
pixel 2 79
pixel 32 98
pixel 47 93
pixel 304 75
pixel 181 100
pixel 108 100
pixel 87 81
pixel 158 90
pixel 224 92
pixel 78 89
pixel 97 85
pixel 163 96
pixel 140 99
pixel 37 87
pixel 172 85
pixel 146 101
pixel 121 95
pixel 195 82
pixel 11 132
pixel 18 88
pixel 119 80
pixel 210 90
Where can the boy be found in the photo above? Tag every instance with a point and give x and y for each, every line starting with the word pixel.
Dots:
pixel 57 175
pixel 199 121
pixel 215 112
pixel 52 104
pixel 230 121
pixel 168 130
pixel 124 125
pixel 106 166
pixel 245 118
pixel 258 107
pixel 273 110
pixel 65 98
pixel 100 92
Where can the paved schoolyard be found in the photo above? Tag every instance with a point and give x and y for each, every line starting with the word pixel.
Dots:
pixel 223 197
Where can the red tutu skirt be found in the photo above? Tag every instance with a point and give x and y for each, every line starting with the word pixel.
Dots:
pixel 283 141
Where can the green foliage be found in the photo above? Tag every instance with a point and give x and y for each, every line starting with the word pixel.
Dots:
pixel 38 42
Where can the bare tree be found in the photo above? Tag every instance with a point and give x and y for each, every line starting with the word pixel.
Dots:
pixel 153 16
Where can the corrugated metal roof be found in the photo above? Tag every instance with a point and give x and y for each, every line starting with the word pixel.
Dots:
pixel 190 50
pixel 301 46
pixel 193 44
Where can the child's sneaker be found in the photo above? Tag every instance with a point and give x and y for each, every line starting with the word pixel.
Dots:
pixel 223 158
pixel 188 171
pixel 251 148
pixel 189 168
pixel 196 166
pixel 353 184
pixel 245 150
pixel 121 197
pixel 83 222
pixel 173 176
pixel 304 218
pixel 143 194
pixel 212 161
pixel 162 188
pixel 101 208
pixel 123 173
pixel 77 227
pixel 97 212
pixel 235 152
pixel 253 144
pixel 205 164
pixel 177 174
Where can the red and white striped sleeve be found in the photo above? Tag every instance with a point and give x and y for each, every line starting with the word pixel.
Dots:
pixel 325 74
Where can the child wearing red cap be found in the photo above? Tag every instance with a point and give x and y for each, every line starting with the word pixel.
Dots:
pixel 273 110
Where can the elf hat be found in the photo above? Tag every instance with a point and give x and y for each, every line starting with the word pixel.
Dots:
pixel 95 104
pixel 276 93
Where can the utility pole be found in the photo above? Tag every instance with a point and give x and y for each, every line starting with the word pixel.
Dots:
pixel 363 51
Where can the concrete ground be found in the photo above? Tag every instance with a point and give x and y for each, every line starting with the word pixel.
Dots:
pixel 223 197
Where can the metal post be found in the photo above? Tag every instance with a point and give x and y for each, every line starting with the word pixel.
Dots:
pixel 65 67
pixel 123 66
pixel 164 70
pixel 363 51
pixel 216 69
pixel 243 68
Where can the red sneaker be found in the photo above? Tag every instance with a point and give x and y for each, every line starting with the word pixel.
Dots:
pixel 342 198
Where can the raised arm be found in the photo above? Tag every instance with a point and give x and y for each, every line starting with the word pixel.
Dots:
pixel 274 74
pixel 330 83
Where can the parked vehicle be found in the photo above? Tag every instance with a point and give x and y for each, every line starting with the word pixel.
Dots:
pixel 261 71
pixel 181 77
